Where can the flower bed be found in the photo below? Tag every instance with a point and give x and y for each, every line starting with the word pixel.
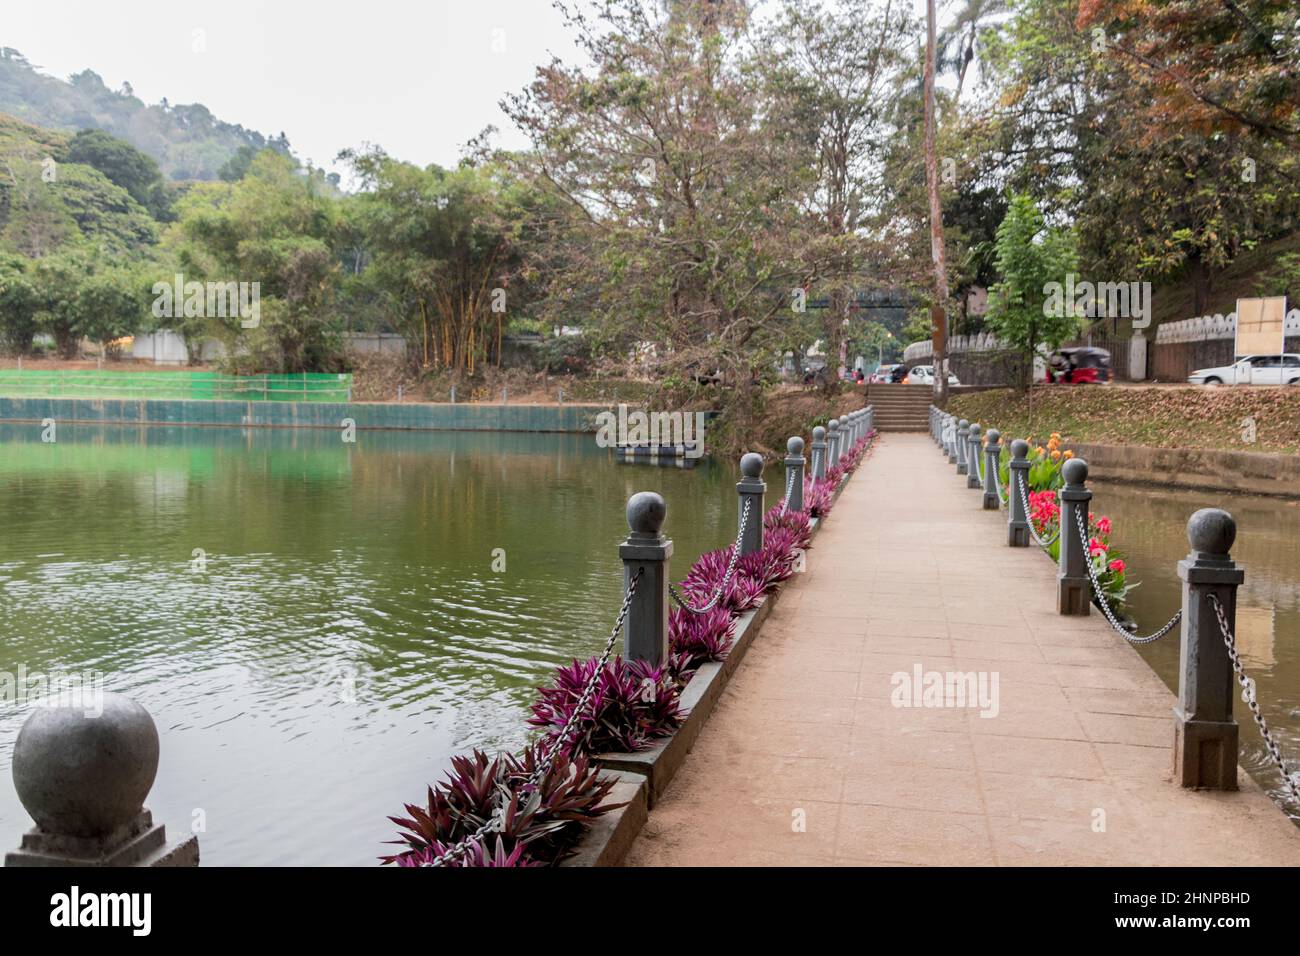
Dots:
pixel 633 705
pixel 1045 481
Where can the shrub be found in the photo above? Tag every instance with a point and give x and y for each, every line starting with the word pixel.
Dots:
pixel 695 639
pixel 632 704
pixel 542 826
pixel 818 497
pixel 699 585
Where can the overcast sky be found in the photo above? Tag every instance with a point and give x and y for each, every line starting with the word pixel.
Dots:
pixel 417 77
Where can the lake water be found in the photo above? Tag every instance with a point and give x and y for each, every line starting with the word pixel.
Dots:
pixel 316 626
pixel 1150 526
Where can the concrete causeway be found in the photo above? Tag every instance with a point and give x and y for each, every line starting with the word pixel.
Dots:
pixel 806 761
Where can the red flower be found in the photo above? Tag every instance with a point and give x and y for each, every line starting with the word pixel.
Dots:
pixel 1117 566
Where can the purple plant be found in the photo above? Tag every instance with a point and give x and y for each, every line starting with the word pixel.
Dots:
pixel 695 639
pixel 699 585
pixel 632 704
pixel 799 523
pixel 542 825
pixel 478 855
pixel 818 497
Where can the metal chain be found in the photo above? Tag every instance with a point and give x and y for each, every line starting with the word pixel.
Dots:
pixel 1081 523
pixel 1292 780
pixel 726 578
pixel 1029 520
pixel 789 487
pixel 979 464
pixel 1004 501
pixel 544 766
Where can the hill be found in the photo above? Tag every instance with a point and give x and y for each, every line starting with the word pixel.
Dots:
pixel 187 141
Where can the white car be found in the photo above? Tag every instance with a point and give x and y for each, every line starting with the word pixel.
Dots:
pixel 924 375
pixel 1252 370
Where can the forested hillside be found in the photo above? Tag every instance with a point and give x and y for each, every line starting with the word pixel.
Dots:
pixel 186 140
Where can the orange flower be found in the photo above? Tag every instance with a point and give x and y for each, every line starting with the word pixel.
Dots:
pixel 1055 455
pixel 1069 454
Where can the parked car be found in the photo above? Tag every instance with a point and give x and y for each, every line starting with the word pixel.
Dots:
pixel 1084 365
pixel 884 374
pixel 1252 370
pixel 924 375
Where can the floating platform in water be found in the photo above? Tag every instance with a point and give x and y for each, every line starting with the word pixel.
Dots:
pixel 666 456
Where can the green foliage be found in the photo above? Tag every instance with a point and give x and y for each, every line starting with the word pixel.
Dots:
pixel 19 302
pixel 125 166
pixel 1030 256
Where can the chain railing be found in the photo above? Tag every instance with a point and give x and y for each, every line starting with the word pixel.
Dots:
pixel 547 762
pixel 1029 519
pixel 726 578
pixel 1292 780
pixel 1081 523
pixel 1004 500
pixel 979 464
pixel 789 487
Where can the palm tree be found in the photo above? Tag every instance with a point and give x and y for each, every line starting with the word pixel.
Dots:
pixel 957 43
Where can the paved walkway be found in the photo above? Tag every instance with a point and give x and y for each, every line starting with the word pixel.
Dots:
pixel 805 760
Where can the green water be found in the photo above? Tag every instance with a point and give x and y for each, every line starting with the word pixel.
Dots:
pixel 342 631
pixel 1150 526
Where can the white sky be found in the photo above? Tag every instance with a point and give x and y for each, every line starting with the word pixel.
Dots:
pixel 417 77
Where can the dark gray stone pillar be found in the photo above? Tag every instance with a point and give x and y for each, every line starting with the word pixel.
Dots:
pixel 794 467
pixel 819 453
pixel 1205 733
pixel 833 443
pixel 1017 519
pixel 83 771
pixel 992 461
pixel 963 440
pixel 750 489
pixel 1072 585
pixel 645 632
pixel 973 451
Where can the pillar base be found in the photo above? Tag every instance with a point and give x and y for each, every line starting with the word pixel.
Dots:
pixel 952 459
pixel 140 843
pixel 992 502
pixel 1205 753
pixel 973 481
pixel 961 467
pixel 1017 537
pixel 1072 597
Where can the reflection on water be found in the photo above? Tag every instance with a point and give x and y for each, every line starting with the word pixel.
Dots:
pixel 342 630
pixel 1150 526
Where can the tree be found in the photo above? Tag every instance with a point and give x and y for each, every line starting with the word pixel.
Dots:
pixel 110 306
pixel 19 303
pixel 1031 257
pixel 124 165
pixel 273 228
pixel 936 217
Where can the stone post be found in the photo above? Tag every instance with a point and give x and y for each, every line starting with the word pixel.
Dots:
pixel 750 489
pixel 963 442
pixel 819 453
pixel 645 631
pixel 1017 519
pixel 973 451
pixel 992 462
pixel 950 441
pixel 83 772
pixel 794 466
pixel 1205 733
pixel 1072 583
pixel 833 443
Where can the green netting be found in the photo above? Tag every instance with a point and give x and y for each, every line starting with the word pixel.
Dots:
pixel 300 387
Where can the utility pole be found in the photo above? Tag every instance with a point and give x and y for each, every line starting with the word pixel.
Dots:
pixel 938 318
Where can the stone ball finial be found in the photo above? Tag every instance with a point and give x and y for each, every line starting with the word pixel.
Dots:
pixel 84 771
pixel 819 434
pixel 1019 448
pixel 1075 471
pixel 834 425
pixel 994 436
pixel 751 465
pixel 646 511
pixel 794 446
pixel 963 423
pixel 975 430
pixel 1211 531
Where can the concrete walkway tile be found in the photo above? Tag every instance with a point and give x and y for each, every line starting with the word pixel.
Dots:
pixel 1035 755
pixel 929 837
pixel 897 785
